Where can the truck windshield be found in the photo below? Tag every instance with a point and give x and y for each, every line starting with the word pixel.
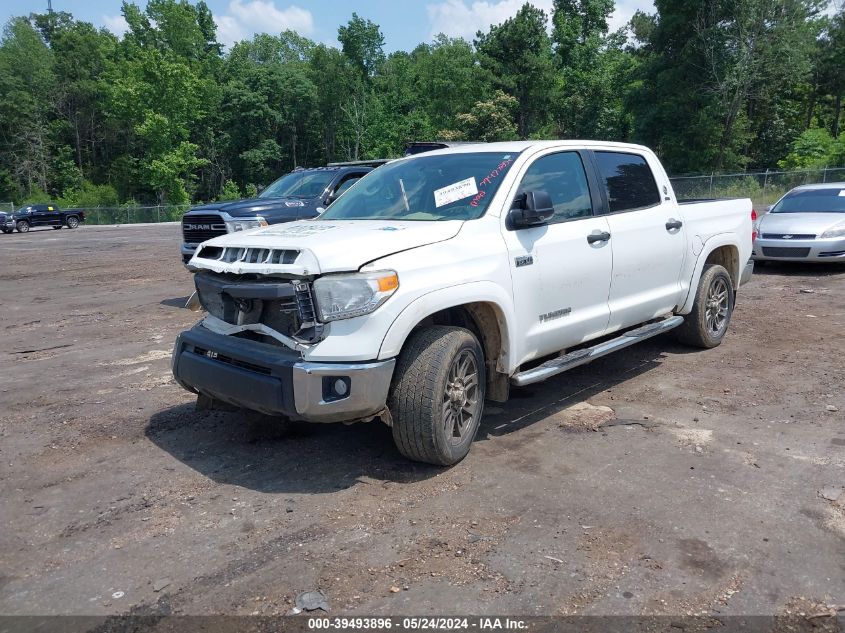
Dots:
pixel 299 184
pixel 445 187
pixel 812 201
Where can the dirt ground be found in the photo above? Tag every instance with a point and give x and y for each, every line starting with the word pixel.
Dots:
pixel 709 486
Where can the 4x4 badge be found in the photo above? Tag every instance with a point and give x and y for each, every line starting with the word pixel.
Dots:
pixel 525 260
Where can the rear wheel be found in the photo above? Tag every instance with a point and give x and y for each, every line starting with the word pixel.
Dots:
pixel 437 397
pixel 72 222
pixel 22 226
pixel 707 324
pixel 7 231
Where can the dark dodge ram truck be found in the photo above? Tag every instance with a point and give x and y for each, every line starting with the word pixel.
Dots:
pixel 301 194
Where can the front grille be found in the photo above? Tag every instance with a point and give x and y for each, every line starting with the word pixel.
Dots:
pixel 199 228
pixel 788 236
pixel 231 254
pixel 770 251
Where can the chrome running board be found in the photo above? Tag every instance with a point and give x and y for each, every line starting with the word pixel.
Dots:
pixel 582 356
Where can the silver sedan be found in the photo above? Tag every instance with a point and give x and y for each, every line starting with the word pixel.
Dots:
pixel 806 225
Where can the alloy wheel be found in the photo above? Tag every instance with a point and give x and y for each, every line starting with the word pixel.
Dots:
pixel 461 404
pixel 717 308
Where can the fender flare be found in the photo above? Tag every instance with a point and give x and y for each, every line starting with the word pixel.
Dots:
pixel 712 243
pixel 451 297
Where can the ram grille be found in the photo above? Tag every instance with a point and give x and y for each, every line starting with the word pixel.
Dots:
pixel 199 228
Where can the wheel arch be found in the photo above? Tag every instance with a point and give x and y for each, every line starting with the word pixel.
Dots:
pixel 722 250
pixel 482 312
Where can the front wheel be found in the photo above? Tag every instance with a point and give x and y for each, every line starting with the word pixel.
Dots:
pixel 707 324
pixel 7 231
pixel 437 397
pixel 22 226
pixel 72 222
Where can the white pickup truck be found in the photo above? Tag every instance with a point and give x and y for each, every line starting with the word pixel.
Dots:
pixel 440 280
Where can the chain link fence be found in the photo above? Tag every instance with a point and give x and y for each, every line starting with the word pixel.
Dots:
pixel 763 187
pixel 133 215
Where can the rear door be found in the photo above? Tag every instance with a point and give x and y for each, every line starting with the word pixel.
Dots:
pixel 53 216
pixel 561 270
pixel 647 235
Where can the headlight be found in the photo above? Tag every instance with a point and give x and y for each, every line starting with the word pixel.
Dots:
pixel 246 225
pixel 348 296
pixel 836 231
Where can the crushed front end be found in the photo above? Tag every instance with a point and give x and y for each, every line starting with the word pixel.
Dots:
pixel 249 350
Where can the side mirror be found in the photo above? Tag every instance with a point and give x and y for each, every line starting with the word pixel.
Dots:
pixel 531 208
pixel 769 208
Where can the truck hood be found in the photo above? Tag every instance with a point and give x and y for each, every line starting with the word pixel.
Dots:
pixel 324 246
pixel 256 206
pixel 784 223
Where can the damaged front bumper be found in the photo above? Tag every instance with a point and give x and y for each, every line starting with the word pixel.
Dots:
pixel 277 381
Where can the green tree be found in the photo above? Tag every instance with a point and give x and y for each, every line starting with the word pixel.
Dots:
pixel 815 148
pixel 172 173
pixel 487 121
pixel 716 71
pixel 517 56
pixel 27 83
pixel 363 44
pixel 594 71
pixel 230 191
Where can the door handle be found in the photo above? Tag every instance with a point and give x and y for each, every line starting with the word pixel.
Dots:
pixel 592 238
pixel 673 224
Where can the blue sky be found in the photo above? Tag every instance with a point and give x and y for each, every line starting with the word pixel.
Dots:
pixel 405 23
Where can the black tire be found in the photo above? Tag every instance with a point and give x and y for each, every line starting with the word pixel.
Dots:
pixel 72 222
pixel 429 394
pixel 711 312
pixel 57 228
pixel 7 231
pixel 22 226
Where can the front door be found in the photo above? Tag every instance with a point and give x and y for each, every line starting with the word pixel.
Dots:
pixel 649 240
pixel 38 215
pixel 560 271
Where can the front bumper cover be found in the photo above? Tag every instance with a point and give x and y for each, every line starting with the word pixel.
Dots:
pixel 276 381
pixel 814 250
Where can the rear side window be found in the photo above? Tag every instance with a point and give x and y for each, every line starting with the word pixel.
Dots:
pixel 562 176
pixel 628 181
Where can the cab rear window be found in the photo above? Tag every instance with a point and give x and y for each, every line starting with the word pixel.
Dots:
pixel 628 181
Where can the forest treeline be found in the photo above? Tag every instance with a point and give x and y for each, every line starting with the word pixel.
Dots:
pixel 166 114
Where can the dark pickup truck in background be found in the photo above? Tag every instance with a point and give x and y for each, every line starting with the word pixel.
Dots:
pixel 35 215
pixel 301 194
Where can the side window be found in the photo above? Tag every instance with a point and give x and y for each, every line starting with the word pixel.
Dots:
pixel 562 176
pixel 628 181
pixel 346 183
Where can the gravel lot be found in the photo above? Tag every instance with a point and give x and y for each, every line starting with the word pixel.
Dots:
pixel 709 488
